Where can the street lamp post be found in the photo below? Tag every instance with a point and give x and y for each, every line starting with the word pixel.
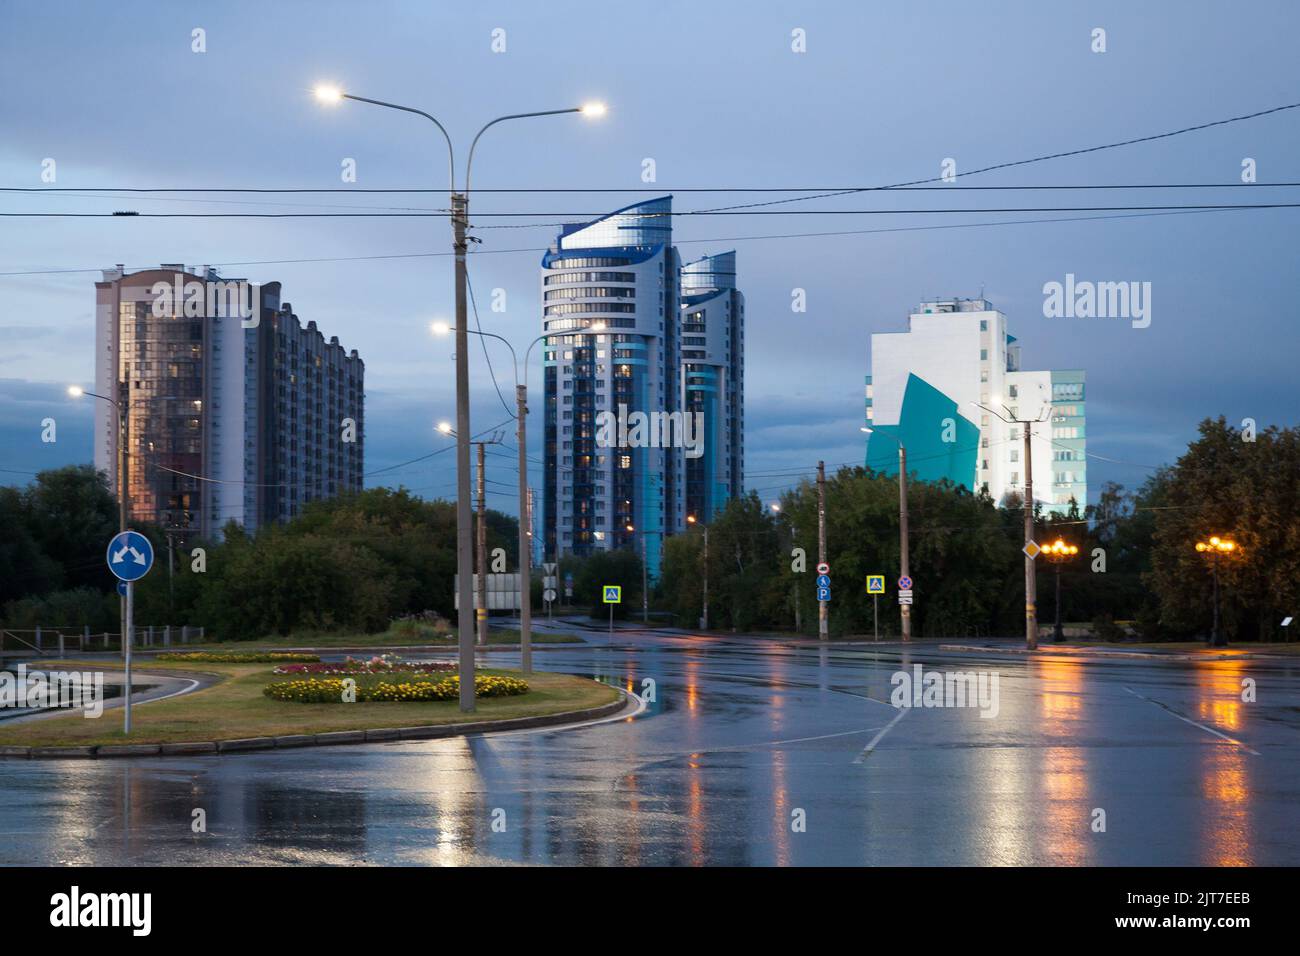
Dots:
pixel 1058 552
pixel 120 406
pixel 525 516
pixel 1215 547
pixel 645 575
pixel 1031 570
pixel 704 612
pixel 459 223
pixel 905 610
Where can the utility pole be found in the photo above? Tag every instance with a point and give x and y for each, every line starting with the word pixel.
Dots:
pixel 645 584
pixel 464 521
pixel 823 608
pixel 482 611
pixel 1031 568
pixel 525 535
pixel 904 609
pixel 704 623
pixel 798 604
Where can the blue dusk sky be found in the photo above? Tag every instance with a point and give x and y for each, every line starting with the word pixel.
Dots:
pixel 714 94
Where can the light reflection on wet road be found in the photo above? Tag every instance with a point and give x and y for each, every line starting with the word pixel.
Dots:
pixel 742 735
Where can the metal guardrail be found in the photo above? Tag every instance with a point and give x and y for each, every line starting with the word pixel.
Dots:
pixel 48 639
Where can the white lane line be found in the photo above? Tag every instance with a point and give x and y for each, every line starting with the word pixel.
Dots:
pixel 792 740
pixel 1208 730
pixel 556 728
pixel 866 751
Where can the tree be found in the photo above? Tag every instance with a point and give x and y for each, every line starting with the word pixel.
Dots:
pixel 621 567
pixel 1249 491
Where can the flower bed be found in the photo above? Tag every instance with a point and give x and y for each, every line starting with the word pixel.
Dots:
pixel 215 657
pixel 384 664
pixel 331 690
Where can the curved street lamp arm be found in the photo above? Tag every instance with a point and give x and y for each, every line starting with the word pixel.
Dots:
pixel 451 158
pixel 469 165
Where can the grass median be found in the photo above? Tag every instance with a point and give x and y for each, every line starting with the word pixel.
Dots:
pixel 235 708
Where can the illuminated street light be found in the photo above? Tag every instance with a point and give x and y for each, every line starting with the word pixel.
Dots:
pixel 594 109
pixel 459 203
pixel 1058 552
pixel 1214 548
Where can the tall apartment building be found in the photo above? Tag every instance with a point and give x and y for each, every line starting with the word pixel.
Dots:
pixel 921 390
pixel 235 411
pixel 633 334
pixel 712 380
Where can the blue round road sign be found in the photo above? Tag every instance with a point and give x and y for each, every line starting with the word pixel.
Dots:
pixel 130 555
pixel 904 583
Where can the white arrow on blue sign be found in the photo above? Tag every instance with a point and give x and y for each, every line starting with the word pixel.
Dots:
pixel 823 580
pixel 129 555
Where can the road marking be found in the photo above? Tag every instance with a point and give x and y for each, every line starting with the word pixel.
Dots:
pixel 1209 730
pixel 866 751
pixel 621 715
pixel 792 740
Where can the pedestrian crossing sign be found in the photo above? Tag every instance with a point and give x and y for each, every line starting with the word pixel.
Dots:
pixel 613 594
pixel 875 584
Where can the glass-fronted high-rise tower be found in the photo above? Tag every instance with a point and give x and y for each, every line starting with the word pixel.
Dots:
pixel 624 347
pixel 609 291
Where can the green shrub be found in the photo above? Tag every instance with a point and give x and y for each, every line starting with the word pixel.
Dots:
pixel 214 657
pixel 421 687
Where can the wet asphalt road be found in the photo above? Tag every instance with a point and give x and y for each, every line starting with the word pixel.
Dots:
pixel 742 736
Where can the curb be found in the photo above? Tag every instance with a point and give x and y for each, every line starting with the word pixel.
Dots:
pixel 382 734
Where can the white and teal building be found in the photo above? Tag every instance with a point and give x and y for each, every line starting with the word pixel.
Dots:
pixel 925 389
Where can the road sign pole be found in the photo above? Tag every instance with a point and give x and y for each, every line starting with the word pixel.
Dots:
pixel 823 608
pixel 1031 582
pixel 875 615
pixel 905 569
pixel 127 638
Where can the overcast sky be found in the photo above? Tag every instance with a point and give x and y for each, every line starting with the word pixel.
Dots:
pixel 714 94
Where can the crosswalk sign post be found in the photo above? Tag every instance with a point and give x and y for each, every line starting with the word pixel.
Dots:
pixel 613 594
pixel 875 587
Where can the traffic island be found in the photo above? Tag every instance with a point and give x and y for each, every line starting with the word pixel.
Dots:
pixel 234 714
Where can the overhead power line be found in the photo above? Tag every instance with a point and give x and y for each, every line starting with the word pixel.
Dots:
pixel 658 190
pixel 715 239
pixel 1036 159
pixel 659 215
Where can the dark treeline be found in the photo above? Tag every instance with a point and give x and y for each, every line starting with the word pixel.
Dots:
pixel 355 563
